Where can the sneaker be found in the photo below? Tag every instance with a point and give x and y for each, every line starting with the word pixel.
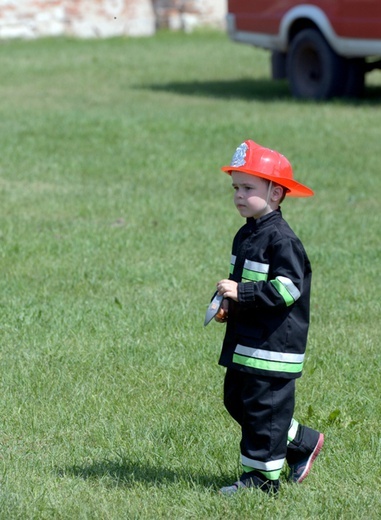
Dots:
pixel 251 479
pixel 300 470
pixel 230 490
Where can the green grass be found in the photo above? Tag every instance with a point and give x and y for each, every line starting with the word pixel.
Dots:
pixel 116 224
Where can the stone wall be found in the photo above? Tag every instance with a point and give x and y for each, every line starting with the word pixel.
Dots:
pixel 105 18
pixel 187 14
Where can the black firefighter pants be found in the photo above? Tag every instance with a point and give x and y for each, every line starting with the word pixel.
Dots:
pixel 264 408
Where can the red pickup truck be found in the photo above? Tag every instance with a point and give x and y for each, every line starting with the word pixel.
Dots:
pixel 324 47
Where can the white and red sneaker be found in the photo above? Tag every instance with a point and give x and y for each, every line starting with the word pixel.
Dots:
pixel 300 470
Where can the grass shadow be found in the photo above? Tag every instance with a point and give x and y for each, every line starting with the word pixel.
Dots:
pixel 265 90
pixel 122 471
pixel 245 89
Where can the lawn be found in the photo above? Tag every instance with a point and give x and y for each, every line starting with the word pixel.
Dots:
pixel 116 223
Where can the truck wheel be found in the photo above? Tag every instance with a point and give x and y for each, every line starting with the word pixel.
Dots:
pixel 314 70
pixel 355 81
pixel 278 65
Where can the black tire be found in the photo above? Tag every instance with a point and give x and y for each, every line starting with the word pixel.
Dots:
pixel 278 65
pixel 355 82
pixel 314 70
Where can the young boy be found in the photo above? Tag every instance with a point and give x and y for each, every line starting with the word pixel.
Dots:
pixel 266 308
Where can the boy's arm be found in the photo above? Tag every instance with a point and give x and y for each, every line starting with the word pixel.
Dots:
pixel 287 271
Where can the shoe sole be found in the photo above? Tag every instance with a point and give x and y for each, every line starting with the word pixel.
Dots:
pixel 312 458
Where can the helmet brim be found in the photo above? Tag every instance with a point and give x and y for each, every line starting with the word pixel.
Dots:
pixel 294 188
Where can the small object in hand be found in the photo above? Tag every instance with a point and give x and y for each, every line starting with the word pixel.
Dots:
pixel 221 315
pixel 214 307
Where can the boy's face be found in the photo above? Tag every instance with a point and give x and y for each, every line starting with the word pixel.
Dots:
pixel 251 195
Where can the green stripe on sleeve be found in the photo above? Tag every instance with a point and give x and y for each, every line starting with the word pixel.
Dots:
pixel 288 299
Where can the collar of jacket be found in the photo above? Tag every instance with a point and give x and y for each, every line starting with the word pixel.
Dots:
pixel 263 221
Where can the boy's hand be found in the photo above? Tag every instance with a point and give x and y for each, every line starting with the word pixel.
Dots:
pixel 228 289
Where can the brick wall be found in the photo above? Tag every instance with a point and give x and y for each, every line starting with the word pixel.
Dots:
pixel 104 18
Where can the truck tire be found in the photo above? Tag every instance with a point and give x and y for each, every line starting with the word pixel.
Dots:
pixel 314 70
pixel 278 65
pixel 355 81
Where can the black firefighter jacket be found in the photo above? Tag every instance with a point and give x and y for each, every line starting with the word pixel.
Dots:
pixel 267 328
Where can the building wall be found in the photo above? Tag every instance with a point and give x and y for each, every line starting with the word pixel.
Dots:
pixel 187 14
pixel 105 18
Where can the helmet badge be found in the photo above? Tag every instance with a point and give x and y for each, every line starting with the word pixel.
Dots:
pixel 239 157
